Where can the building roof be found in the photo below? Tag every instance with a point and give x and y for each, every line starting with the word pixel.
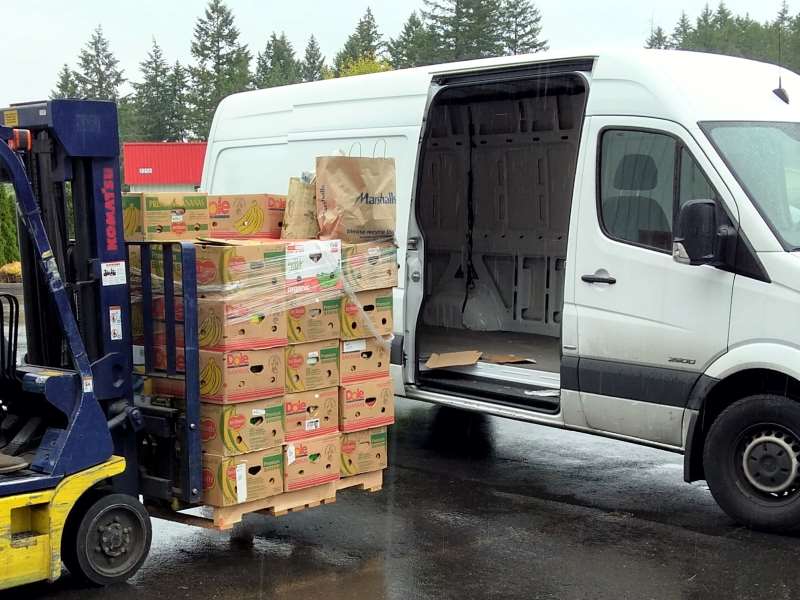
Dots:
pixel 163 163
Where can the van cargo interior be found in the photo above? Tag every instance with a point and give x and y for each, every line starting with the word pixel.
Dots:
pixel 494 199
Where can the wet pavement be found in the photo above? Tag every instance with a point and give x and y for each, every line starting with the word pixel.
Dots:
pixel 478 507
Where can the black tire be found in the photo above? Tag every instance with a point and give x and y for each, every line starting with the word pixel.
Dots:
pixel 751 459
pixel 106 538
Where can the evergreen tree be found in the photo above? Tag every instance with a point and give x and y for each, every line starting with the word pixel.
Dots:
pixel 313 62
pixel 153 96
pixel 67 84
pixel 9 247
pixel 129 120
pixel 704 36
pixel 466 28
pixel 277 64
pixel 682 32
pixel 98 76
pixel 177 121
pixel 364 42
pixel 658 39
pixel 416 45
pixel 521 26
pixel 222 65
pixel 365 66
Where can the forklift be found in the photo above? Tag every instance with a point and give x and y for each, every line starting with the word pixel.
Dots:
pixel 83 454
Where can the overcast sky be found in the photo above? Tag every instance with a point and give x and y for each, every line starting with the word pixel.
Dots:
pixel 40 35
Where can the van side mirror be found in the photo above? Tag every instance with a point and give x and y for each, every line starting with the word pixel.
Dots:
pixel 703 235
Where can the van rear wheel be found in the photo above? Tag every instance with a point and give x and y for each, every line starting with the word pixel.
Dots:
pixel 752 462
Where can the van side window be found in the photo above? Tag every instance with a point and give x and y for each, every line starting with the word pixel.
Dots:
pixel 637 187
pixel 693 183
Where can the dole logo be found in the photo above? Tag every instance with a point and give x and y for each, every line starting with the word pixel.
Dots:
pixel 276 202
pixel 208 479
pixel 356 394
pixel 237 359
pixel 295 407
pixel 295 361
pixel 297 313
pixel 348 447
pixel 219 208
pixel 208 430
pixel 351 308
pixel 236 421
pixel 230 472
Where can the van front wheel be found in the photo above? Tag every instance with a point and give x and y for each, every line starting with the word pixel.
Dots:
pixel 752 462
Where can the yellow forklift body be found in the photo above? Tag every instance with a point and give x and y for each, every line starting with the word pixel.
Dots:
pixel 31 525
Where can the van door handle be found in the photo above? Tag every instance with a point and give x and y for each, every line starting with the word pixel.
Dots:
pixel 595 278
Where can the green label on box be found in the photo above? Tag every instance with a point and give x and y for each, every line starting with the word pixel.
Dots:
pixel 274 413
pixel 331 306
pixel 385 302
pixel 272 461
pixel 329 354
pixel 378 439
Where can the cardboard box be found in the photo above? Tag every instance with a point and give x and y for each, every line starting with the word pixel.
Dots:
pixel 246 215
pixel 137 321
pixel 375 305
pixel 364 451
pixel 312 366
pixel 132 217
pixel 369 266
pixel 230 265
pixel 160 333
pixel 158 306
pixel 311 462
pixel 174 216
pixel 366 404
pixel 239 323
pixel 313 266
pixel 241 375
pixel 360 360
pixel 314 321
pixel 229 480
pixel 159 357
pixel 309 414
pixel 233 429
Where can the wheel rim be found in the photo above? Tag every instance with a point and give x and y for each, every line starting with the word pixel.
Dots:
pixel 768 462
pixel 115 540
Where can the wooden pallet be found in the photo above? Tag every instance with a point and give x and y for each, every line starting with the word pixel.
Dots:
pixel 223 518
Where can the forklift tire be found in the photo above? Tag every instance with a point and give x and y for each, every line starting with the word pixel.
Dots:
pixel 107 539
pixel 752 462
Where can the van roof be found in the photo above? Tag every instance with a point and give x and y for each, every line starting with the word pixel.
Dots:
pixel 683 86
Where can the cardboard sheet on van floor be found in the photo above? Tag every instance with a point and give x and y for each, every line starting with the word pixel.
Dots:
pixel 453 359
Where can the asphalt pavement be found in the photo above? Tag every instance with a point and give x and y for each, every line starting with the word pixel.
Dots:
pixel 477 507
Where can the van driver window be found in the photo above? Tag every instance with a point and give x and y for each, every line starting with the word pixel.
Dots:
pixel 637 187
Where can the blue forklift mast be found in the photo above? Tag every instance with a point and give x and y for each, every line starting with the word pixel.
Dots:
pixel 70 405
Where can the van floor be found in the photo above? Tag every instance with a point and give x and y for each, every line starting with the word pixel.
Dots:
pixel 545 350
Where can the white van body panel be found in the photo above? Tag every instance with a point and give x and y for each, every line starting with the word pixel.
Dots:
pixel 259 139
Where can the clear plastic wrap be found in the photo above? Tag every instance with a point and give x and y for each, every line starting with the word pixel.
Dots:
pixel 268 293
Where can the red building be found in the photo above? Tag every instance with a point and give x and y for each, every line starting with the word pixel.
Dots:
pixel 163 166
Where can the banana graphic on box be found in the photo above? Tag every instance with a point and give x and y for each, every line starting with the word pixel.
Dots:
pixel 230 440
pixel 251 221
pixel 130 219
pixel 210 331
pixel 210 379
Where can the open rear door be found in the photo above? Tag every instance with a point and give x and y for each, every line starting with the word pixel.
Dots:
pixel 415 258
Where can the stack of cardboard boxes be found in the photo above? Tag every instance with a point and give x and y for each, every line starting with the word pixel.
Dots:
pixel 294 340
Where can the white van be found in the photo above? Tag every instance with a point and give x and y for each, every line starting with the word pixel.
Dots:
pixel 630 221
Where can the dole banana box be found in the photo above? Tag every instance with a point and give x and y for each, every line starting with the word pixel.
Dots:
pixel 239 323
pixel 369 266
pixel 160 333
pixel 159 307
pixel 373 306
pixel 160 358
pixel 312 413
pixel 132 217
pixel 233 429
pixel 246 216
pixel 366 404
pixel 313 266
pixel 314 321
pixel 312 366
pixel 174 216
pixel 229 480
pixel 364 451
pixel 241 375
pixel 310 462
pixel 360 360
pixel 229 265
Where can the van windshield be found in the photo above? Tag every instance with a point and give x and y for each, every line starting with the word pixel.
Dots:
pixel 765 158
